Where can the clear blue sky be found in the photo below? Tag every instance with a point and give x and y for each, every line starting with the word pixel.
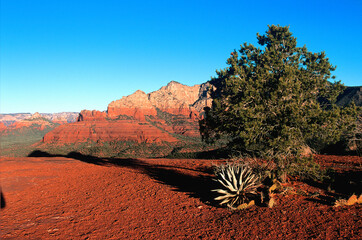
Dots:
pixel 69 55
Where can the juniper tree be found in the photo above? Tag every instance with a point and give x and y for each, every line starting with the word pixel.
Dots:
pixel 276 99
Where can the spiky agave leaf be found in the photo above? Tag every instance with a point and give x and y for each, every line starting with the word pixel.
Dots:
pixel 238 183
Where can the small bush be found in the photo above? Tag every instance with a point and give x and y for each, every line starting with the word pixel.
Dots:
pixel 305 168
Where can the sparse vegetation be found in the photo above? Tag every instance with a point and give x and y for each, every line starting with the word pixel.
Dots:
pixel 121 149
pixel 120 117
pixel 18 142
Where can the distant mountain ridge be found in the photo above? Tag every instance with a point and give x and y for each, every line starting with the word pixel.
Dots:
pixel 350 94
pixel 67 117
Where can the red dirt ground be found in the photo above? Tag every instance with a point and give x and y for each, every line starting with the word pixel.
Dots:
pixel 91 198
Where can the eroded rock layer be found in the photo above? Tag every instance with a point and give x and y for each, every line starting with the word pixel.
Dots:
pixel 153 118
pixel 175 98
pixel 104 131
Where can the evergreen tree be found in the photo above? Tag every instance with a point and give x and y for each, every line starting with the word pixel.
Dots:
pixel 277 99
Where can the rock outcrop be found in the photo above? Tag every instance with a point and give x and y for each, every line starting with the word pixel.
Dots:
pixel 136 105
pixel 35 116
pixel 87 115
pixel 173 110
pixel 174 98
pixel 105 131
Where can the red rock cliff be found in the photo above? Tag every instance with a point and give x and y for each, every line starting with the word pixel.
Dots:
pixel 136 105
pixel 103 131
pixel 86 115
pixel 179 107
pixel 175 98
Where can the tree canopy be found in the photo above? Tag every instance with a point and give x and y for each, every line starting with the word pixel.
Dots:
pixel 276 98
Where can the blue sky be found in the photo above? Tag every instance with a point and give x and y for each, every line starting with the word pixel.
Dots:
pixel 69 55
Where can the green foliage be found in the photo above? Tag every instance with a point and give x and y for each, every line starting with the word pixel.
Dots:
pixel 305 169
pixel 120 117
pixel 275 100
pixel 122 149
pixel 38 119
pixel 270 169
pixel 174 121
pixel 18 142
pixel 353 139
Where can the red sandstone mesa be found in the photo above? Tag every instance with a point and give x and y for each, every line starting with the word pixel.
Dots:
pixel 87 115
pixel 135 117
pixel 136 105
pixel 175 98
pixel 103 131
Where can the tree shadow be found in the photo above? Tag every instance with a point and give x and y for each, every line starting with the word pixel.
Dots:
pixel 329 199
pixel 196 185
pixel 2 200
pixel 219 153
pixel 340 185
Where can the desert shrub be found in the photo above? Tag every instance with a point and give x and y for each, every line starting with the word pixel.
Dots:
pixel 353 139
pixel 238 184
pixel 306 169
pixel 270 168
pixel 276 100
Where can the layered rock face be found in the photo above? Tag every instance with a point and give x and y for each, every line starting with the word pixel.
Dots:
pixel 136 105
pixel 175 98
pixel 87 115
pixel 104 131
pixel 152 118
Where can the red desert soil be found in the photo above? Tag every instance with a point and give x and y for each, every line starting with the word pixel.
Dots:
pixel 91 198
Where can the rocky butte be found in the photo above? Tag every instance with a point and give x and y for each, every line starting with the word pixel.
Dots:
pixel 156 117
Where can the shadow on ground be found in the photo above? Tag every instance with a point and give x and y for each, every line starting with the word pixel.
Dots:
pixel 197 185
pixel 340 184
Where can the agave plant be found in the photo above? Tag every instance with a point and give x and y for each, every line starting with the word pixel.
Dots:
pixel 239 184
